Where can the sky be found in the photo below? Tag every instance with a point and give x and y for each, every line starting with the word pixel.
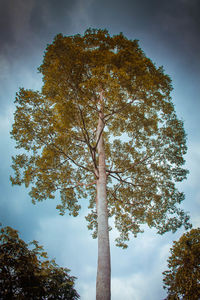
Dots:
pixel 168 32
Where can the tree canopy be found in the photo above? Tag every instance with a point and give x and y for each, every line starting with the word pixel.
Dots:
pixel 103 127
pixel 182 280
pixel 144 140
pixel 27 273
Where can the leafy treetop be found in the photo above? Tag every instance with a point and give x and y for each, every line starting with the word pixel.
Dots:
pixel 144 140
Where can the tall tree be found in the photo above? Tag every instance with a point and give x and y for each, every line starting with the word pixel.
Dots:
pixel 103 127
pixel 26 272
pixel 182 280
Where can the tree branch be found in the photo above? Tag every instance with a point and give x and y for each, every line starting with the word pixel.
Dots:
pixel 101 116
pixel 67 156
pixel 87 138
pixel 124 181
pixel 81 184
pixel 129 168
pixel 118 110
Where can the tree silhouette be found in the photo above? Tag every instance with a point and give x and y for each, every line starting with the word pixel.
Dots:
pixel 26 272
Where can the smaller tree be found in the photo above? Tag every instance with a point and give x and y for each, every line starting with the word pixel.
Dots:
pixel 182 280
pixel 26 272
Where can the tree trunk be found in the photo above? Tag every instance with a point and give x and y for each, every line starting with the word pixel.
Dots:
pixel 103 269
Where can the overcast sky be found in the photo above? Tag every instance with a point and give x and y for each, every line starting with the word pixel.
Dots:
pixel 168 32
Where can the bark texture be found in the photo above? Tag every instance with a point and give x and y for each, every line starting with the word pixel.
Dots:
pixel 103 270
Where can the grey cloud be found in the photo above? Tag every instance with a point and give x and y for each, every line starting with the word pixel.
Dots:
pixel 14 23
pixel 181 21
pixel 26 24
pixel 169 24
pixel 48 17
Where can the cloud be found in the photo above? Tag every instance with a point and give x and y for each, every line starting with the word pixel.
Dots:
pixel 181 21
pixel 15 23
pixel 145 280
pixel 169 27
pixel 27 25
pixel 67 239
pixel 88 291
pixel 129 288
pixel 5 118
pixel 139 286
pixel 4 67
pixel 193 163
pixel 80 16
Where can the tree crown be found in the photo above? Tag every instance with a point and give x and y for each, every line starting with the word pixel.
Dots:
pixel 144 140
pixel 183 277
pixel 27 273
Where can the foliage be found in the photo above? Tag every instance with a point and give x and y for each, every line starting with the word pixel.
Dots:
pixel 182 280
pixel 144 140
pixel 26 272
